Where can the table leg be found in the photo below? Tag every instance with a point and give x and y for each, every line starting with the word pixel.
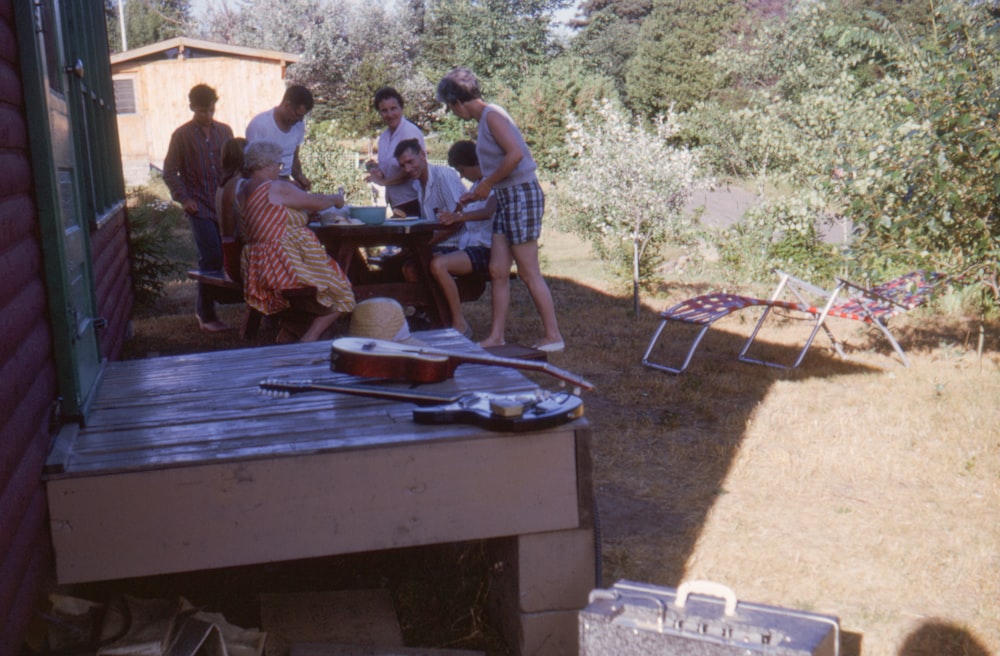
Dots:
pixel 438 310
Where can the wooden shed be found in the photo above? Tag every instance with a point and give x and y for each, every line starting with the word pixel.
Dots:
pixel 65 289
pixel 152 84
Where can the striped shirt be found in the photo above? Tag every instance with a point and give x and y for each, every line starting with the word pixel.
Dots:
pixel 193 165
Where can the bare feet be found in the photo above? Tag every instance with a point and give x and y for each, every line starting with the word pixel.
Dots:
pixel 489 341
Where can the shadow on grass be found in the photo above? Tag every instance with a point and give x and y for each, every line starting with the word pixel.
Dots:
pixel 663 445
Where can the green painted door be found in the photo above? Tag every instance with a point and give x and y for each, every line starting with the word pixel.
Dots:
pixel 64 228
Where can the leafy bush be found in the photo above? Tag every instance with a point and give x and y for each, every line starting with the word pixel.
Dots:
pixel 330 166
pixel 926 190
pixel 629 187
pixel 151 220
pixel 778 234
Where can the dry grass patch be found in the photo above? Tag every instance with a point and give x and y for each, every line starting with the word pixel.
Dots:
pixel 857 488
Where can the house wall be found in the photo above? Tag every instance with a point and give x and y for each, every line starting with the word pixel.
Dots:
pixel 246 87
pixel 113 282
pixel 28 380
pixel 27 368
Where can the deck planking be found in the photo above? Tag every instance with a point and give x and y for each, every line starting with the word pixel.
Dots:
pixel 188 409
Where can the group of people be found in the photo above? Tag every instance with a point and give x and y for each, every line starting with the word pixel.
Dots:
pixel 248 203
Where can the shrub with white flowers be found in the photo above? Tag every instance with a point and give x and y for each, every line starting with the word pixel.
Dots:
pixel 629 186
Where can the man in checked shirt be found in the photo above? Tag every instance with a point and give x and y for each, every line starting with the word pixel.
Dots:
pixel 192 171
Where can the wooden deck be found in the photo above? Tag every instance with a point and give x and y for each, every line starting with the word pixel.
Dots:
pixel 184 466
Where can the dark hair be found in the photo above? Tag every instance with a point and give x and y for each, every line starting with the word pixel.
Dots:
pixel 460 85
pixel 463 153
pixel 232 158
pixel 384 94
pixel 405 145
pixel 202 95
pixel 298 96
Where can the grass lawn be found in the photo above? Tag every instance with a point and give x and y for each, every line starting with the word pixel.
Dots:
pixel 857 488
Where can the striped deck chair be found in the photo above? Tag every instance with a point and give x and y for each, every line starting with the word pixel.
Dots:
pixel 871 305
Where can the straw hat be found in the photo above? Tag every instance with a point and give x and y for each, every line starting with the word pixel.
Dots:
pixel 381 318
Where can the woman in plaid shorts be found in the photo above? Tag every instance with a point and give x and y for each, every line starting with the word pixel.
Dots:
pixel 509 172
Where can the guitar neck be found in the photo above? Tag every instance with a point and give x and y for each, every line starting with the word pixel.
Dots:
pixel 515 363
pixel 362 390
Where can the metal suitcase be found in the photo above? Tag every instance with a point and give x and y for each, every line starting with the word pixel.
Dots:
pixel 700 618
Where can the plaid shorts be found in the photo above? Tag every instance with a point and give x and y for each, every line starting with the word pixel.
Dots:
pixel 479 256
pixel 519 212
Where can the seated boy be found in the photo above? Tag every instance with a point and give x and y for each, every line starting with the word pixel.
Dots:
pixel 468 250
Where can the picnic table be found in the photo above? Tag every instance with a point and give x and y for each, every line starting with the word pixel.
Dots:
pixel 348 245
pixel 183 466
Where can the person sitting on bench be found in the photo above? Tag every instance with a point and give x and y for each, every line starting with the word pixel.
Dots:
pixel 280 252
pixel 226 208
pixel 465 249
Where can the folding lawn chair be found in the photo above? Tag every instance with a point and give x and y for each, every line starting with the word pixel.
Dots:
pixel 873 306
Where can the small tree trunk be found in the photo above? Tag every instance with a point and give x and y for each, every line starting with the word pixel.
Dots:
pixel 635 275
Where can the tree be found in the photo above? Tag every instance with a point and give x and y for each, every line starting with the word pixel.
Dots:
pixel 545 100
pixel 349 49
pixel 607 36
pixel 630 187
pixel 928 188
pixel 146 21
pixel 672 66
pixel 500 40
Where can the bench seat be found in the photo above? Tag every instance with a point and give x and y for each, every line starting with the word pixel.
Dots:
pixel 232 292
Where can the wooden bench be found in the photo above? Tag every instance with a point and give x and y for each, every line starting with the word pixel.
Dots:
pixel 471 287
pixel 231 291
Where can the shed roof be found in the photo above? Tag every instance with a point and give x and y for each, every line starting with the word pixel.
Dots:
pixel 182 46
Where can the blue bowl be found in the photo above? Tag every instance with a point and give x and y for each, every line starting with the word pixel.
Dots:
pixel 372 215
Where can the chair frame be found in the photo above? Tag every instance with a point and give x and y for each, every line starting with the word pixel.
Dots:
pixel 873 306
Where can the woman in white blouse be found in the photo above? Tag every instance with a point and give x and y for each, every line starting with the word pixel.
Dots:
pixel 400 193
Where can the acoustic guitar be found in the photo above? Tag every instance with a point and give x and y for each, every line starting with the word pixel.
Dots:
pixel 499 412
pixel 379 358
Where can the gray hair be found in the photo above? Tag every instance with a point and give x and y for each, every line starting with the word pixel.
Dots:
pixel 261 154
pixel 460 85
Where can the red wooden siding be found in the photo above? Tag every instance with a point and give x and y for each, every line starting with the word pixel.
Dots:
pixel 26 366
pixel 28 381
pixel 113 284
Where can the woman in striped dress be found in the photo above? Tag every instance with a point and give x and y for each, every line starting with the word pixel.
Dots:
pixel 280 252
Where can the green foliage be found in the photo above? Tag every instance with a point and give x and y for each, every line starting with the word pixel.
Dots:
pixel 330 166
pixel 629 187
pixel 500 40
pixel 782 234
pixel 672 66
pixel 349 49
pixel 927 189
pixel 146 21
pixel 608 40
pixel 151 221
pixel 546 99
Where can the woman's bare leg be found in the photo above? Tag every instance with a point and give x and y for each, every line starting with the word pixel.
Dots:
pixel 529 270
pixel 500 261
pixel 319 326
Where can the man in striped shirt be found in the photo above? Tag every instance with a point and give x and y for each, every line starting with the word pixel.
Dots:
pixel 192 171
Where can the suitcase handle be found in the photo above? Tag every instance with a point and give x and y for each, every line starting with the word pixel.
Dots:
pixel 710 588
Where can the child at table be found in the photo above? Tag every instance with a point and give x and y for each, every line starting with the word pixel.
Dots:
pixel 467 250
